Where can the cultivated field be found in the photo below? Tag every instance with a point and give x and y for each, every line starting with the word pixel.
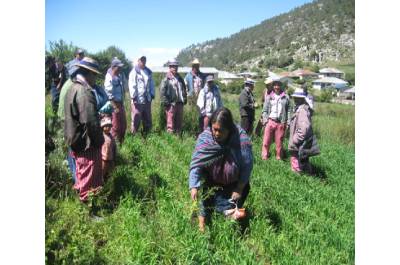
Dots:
pixel 148 216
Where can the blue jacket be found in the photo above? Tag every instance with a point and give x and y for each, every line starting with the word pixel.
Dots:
pixel 189 82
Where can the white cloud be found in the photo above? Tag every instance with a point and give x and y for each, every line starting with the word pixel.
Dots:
pixel 156 56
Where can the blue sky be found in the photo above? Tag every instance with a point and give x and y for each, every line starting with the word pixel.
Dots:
pixel 155 28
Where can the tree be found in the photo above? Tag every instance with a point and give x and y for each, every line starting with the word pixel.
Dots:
pixel 61 50
pixel 105 57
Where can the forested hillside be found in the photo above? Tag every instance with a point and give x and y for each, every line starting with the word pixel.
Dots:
pixel 321 31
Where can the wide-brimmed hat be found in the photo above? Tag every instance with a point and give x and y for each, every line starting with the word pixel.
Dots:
pixel 173 62
pixel 249 81
pixel 89 64
pixel 209 78
pixel 276 79
pixel 79 51
pixel 196 61
pixel 116 62
pixel 268 81
pixel 299 93
pixel 105 121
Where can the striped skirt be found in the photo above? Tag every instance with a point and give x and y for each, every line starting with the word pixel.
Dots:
pixel 88 172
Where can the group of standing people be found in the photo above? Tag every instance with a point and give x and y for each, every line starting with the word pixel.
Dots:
pixel 223 157
pixel 94 118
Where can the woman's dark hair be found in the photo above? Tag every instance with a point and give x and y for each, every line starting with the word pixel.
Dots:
pixel 224 117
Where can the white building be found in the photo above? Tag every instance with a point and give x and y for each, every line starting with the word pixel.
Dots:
pixel 226 77
pixel 330 72
pixel 283 78
pixel 326 82
pixel 185 70
pixel 248 74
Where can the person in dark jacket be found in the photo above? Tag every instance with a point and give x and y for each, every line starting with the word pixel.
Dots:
pixel 173 96
pixel 247 106
pixel 82 130
pixel 58 75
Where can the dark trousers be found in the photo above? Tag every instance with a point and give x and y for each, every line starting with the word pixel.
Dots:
pixel 247 124
pixel 217 197
pixel 55 98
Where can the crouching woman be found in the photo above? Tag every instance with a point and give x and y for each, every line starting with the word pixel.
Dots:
pixel 302 141
pixel 221 165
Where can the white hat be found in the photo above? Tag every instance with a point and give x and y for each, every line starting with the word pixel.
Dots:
pixel 195 61
pixel 268 81
pixel 249 81
pixel 173 62
pixel 299 93
pixel 105 121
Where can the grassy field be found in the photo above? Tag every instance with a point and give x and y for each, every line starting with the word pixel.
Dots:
pixel 148 214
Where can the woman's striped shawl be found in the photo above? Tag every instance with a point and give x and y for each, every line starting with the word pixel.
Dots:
pixel 208 151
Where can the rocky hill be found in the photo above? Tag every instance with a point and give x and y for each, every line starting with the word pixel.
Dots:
pixel 320 32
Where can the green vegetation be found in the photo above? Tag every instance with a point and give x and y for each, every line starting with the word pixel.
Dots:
pixel 148 214
pixel 320 31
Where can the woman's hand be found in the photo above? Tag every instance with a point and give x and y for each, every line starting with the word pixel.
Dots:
pixel 236 196
pixel 193 193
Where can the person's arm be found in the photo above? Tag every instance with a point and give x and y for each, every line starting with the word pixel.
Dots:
pixel 151 87
pixel 86 105
pixel 303 127
pixel 200 101
pixel 194 181
pixel 243 100
pixel 109 88
pixel 184 93
pixel 163 92
pixel 289 112
pixel 187 84
pixel 132 84
pixel 265 111
pixel 245 170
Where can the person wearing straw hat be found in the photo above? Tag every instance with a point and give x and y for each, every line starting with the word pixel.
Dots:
pixel 276 112
pixel 302 141
pixel 141 90
pixel 116 93
pixel 194 80
pixel 247 105
pixel 173 97
pixel 209 100
pixel 82 130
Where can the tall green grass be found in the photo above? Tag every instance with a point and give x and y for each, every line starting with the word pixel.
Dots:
pixel 148 213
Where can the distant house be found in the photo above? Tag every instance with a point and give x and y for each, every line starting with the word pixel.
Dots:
pixel 326 82
pixel 330 72
pixel 303 74
pixel 226 77
pixel 185 70
pixel 350 93
pixel 248 74
pixel 283 77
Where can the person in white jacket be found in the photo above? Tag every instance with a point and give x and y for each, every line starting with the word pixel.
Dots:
pixel 141 90
pixel 209 101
